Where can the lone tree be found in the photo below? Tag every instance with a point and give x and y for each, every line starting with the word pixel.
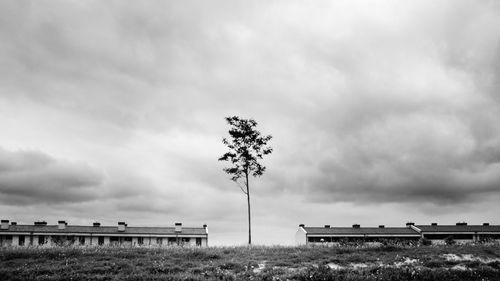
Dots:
pixel 246 148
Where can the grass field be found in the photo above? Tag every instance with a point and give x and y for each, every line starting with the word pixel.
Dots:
pixel 442 263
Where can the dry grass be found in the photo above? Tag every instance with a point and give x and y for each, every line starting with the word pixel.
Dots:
pixel 470 262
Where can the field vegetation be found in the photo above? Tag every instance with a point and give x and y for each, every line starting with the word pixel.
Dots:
pixel 448 262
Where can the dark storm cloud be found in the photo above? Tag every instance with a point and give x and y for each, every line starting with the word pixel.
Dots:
pixel 424 157
pixel 33 178
pixel 30 177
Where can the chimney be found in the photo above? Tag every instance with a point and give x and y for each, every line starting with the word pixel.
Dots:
pixel 97 224
pixel 410 223
pixel 40 223
pixel 178 227
pixel 327 226
pixel 5 224
pixel 434 224
pixel 381 226
pixel 461 223
pixel 486 224
pixel 61 225
pixel 206 228
pixel 121 226
pixel 356 226
pixel 302 225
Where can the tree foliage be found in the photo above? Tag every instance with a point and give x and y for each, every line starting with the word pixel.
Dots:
pixel 246 147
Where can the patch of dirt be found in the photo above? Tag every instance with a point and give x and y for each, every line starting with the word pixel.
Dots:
pixel 460 267
pixel 467 257
pixel 335 266
pixel 260 268
pixel 406 262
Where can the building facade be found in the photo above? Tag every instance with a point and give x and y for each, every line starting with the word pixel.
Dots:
pixel 460 233
pixel 39 233
pixel 436 234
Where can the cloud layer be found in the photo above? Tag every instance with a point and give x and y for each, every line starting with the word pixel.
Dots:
pixel 28 177
pixel 392 105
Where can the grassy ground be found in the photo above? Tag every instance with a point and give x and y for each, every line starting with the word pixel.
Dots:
pixel 478 262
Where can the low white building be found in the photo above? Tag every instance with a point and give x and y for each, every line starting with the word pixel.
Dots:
pixel 436 234
pixel 40 233
pixel 328 235
pixel 460 232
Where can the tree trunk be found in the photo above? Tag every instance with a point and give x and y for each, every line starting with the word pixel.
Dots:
pixel 249 221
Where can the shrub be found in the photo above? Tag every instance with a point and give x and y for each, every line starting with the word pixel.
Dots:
pixel 449 240
pixel 424 242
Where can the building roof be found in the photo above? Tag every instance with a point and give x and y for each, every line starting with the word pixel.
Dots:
pixel 360 231
pixel 459 228
pixel 105 230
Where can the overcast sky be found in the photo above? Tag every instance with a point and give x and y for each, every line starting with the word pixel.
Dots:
pixel 381 112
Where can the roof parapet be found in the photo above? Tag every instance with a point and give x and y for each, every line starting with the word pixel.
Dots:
pixel 416 228
pixel 461 223
pixel 486 224
pixel 356 226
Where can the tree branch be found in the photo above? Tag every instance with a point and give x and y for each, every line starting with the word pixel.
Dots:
pixel 241 187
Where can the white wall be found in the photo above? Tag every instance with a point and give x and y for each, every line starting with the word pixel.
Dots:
pixel 15 240
pixel 94 241
pixel 300 236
